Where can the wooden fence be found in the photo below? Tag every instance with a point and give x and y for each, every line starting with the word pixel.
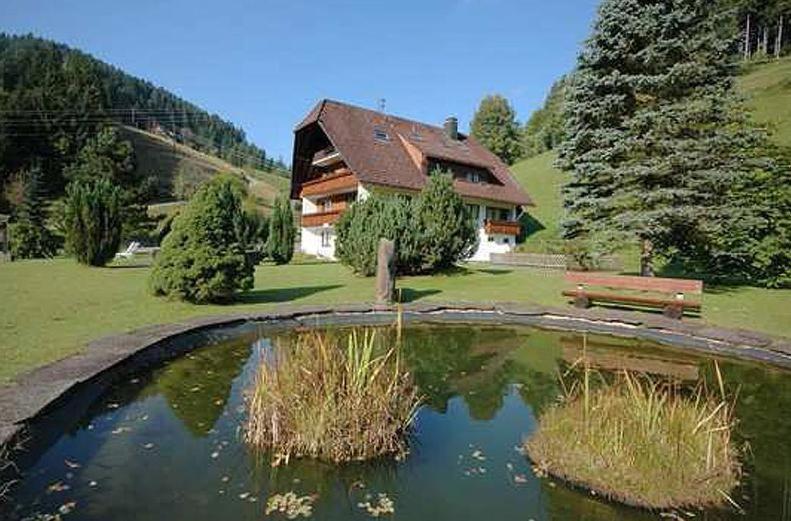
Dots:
pixel 553 261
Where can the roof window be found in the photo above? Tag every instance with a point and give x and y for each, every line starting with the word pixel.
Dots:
pixel 380 134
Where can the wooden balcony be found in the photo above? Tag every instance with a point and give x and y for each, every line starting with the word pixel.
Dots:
pixel 344 181
pixel 501 227
pixel 314 220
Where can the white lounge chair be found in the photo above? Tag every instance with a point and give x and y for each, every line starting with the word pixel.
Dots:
pixel 129 252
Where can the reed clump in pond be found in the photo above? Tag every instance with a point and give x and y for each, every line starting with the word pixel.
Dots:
pixel 640 441
pixel 332 396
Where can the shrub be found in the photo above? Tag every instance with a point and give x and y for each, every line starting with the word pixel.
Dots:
pixel 446 231
pixel 30 237
pixel 640 441
pixel 93 221
pixel 280 245
pixel 202 258
pixel 331 397
pixel 378 217
pixel 431 231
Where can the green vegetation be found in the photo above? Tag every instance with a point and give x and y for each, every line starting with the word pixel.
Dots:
pixel 431 231
pixel 336 397
pixel 544 183
pixel 640 441
pixel 53 308
pixel 282 232
pixel 669 161
pixel 494 126
pixel 767 87
pixel 93 220
pixel 203 257
pixel 30 237
pixel 56 98
pixel 545 129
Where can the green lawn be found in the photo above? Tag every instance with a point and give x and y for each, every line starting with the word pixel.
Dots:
pixel 51 309
pixel 543 182
pixel 767 87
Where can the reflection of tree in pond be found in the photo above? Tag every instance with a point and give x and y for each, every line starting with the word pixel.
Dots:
pixel 197 385
pixel 461 360
pixel 563 503
pixel 539 390
pixel 762 411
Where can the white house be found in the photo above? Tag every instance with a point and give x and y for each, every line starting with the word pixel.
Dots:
pixel 343 153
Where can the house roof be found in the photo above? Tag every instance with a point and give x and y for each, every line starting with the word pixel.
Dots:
pixel 400 160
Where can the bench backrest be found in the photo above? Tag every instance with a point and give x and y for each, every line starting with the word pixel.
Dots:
pixel 656 284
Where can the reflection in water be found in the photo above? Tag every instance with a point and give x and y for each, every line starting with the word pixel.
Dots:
pixel 165 444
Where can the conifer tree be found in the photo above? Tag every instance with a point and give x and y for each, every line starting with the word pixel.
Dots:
pixel 280 244
pixel 494 126
pixel 30 237
pixel 93 220
pixel 656 137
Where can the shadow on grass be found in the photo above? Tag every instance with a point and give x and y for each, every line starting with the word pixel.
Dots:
pixel 494 271
pixel 411 295
pixel 134 265
pixel 261 296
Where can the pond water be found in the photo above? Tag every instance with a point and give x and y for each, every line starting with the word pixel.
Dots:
pixel 165 443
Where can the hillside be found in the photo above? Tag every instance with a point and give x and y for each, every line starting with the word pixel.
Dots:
pixel 54 99
pixel 543 182
pixel 767 87
pixel 167 161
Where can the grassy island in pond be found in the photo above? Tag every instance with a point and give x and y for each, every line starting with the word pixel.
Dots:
pixel 332 396
pixel 640 441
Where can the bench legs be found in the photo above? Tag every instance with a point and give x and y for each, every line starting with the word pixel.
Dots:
pixel 673 311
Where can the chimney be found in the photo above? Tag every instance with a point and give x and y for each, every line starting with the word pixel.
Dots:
pixel 452 128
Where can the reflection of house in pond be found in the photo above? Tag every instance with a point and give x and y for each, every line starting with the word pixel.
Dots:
pixel 611 355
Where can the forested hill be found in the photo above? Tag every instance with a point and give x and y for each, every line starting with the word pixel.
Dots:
pixel 53 98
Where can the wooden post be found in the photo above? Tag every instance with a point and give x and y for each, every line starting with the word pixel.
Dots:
pixel 385 272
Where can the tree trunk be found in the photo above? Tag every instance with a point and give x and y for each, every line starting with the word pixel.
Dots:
pixel 779 42
pixel 646 258
pixel 766 41
pixel 747 39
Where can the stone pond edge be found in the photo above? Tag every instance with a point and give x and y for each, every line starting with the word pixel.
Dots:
pixel 101 362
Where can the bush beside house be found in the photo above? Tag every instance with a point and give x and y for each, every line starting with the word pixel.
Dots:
pixel 280 245
pixel 431 231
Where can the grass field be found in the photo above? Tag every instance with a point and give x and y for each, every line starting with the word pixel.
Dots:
pixel 51 309
pixel 767 87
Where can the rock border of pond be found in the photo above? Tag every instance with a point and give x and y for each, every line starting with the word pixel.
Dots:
pixel 80 378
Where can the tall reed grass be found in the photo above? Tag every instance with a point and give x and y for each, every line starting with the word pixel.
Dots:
pixel 333 397
pixel 641 441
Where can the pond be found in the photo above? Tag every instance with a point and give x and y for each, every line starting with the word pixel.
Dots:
pixel 165 443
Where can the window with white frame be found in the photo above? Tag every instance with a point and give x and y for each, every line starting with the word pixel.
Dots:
pixel 325 238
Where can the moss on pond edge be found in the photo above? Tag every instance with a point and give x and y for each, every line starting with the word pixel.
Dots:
pixel 640 441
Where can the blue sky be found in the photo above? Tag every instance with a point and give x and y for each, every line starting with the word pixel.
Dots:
pixel 263 64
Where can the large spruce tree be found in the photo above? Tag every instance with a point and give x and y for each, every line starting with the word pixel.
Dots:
pixel 494 126
pixel 656 138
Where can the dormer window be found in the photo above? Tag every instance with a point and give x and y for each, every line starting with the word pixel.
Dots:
pixel 380 134
pixel 474 177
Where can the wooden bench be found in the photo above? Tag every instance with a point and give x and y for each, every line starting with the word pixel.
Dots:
pixel 670 295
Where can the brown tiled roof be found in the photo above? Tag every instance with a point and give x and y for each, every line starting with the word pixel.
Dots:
pixel 389 163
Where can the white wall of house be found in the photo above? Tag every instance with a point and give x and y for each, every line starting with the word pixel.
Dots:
pixel 319 241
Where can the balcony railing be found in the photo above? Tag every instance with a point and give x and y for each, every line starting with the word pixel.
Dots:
pixel 335 183
pixel 313 220
pixel 502 227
